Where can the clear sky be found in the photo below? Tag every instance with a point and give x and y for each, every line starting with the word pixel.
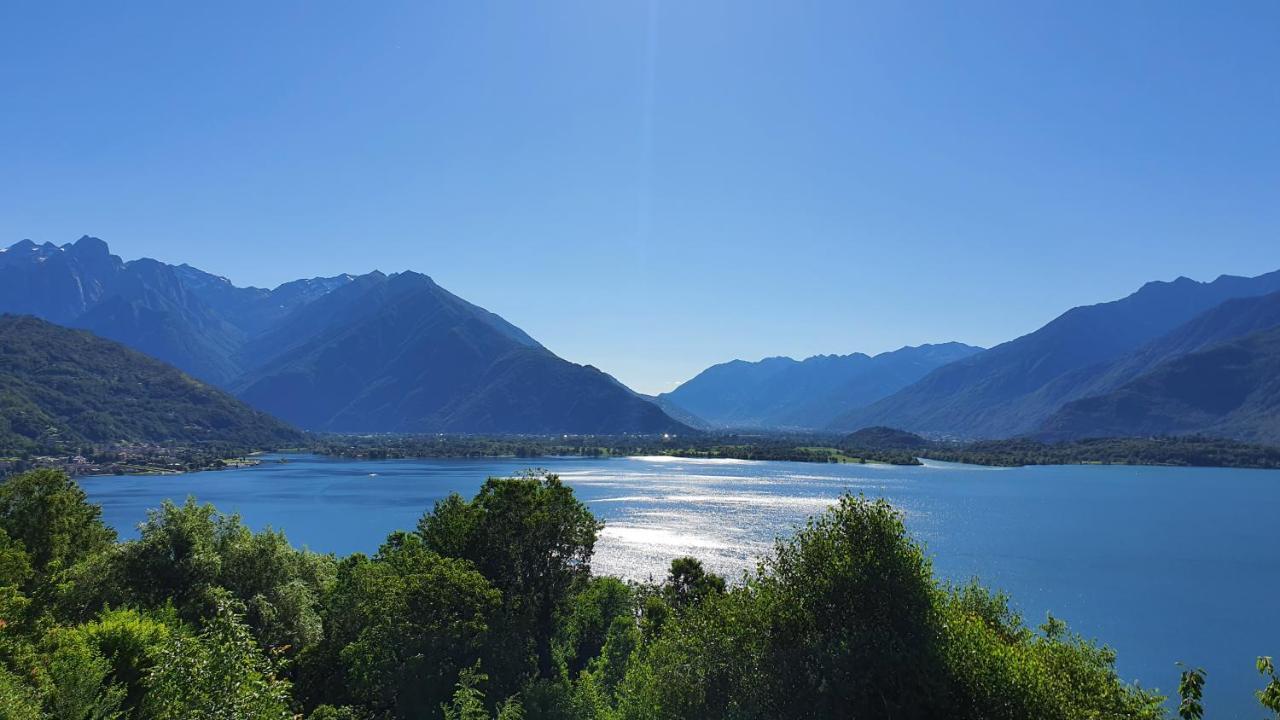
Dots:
pixel 653 187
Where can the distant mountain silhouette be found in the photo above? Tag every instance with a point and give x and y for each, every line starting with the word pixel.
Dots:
pixel 1230 390
pixel 1232 319
pixel 62 388
pixel 188 318
pixel 367 353
pixel 678 413
pixel 400 353
pixel 884 438
pixel 780 392
pixel 1014 387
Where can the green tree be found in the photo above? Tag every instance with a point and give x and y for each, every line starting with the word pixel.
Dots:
pixel 689 583
pixel 176 558
pixel 48 513
pixel 997 668
pixel 79 681
pixel 278 584
pixel 698 663
pixel 584 626
pixel 468 701
pixel 846 620
pixel 18 700
pixel 130 641
pixel 853 624
pixel 398 630
pixel 615 657
pixel 1191 694
pixel 1269 695
pixel 216 675
pixel 15 564
pixel 187 553
pixel 342 712
pixel 534 541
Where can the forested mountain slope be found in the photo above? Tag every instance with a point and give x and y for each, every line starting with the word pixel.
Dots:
pixel 60 388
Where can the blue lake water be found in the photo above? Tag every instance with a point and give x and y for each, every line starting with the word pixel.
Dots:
pixel 1164 564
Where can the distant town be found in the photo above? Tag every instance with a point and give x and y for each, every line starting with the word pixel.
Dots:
pixel 131 459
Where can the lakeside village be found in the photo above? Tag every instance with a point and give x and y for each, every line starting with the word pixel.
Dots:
pixel 130 459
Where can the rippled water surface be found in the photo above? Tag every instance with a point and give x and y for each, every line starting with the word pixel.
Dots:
pixel 1165 564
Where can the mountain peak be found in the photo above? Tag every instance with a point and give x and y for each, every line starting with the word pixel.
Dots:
pixel 87 244
pixel 20 246
pixel 198 279
pixel 408 277
pixel 1155 286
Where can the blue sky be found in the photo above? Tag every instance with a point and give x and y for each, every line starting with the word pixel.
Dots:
pixel 653 187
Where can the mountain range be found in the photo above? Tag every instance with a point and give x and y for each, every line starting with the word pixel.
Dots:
pixel 398 353
pixel 1231 389
pixel 1180 357
pixel 369 353
pixel 1014 388
pixel 782 393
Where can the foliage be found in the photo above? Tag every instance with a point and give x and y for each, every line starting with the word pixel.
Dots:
pixel 18 701
pixel 188 554
pixel 52 519
pixel 781 447
pixel 1269 696
pixel 79 681
pixel 342 712
pixel 1191 694
pixel 398 629
pixel 15 564
pixel 854 617
pixel 130 641
pixel 218 674
pixel 468 702
pixel 689 584
pixel 845 620
pixel 1183 451
pixel 533 540
pixel 882 445
pixel 584 627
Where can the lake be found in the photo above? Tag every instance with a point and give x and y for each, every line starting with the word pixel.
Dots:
pixel 1164 564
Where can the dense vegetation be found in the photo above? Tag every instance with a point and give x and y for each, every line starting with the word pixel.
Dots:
pixel 876 444
pixel 62 390
pixel 789 448
pixel 1179 451
pixel 489 608
pixel 886 444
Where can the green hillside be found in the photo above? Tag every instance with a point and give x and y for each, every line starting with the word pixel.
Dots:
pixel 61 389
pixel 1229 390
